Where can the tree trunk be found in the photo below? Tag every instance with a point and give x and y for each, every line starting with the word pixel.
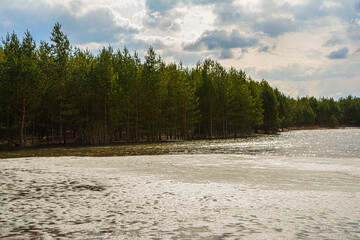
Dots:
pixel 22 142
pixel 128 124
pixel 223 126
pixel 186 132
pixel 211 125
pixel 226 127
pixel 136 123
pixel 105 121
pixel 60 122
pixel 33 132
pixel 266 122
pixel 137 113
pixel 236 123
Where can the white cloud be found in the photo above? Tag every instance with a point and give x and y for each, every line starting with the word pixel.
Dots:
pixel 290 43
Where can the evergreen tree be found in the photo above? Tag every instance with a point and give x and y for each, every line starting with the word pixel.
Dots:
pixel 241 103
pixel 46 113
pixel 220 82
pixel 350 110
pixel 29 85
pixel 2 95
pixel 52 93
pixel 305 114
pixel 80 92
pixel 10 83
pixel 104 79
pixel 61 51
pixel 286 109
pixel 270 106
pixel 189 103
pixel 151 94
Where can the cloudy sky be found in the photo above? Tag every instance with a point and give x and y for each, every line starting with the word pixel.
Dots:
pixel 303 47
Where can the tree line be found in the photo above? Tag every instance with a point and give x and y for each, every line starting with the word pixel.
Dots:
pixel 55 94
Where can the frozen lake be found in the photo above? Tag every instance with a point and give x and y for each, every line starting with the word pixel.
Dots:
pixel 295 185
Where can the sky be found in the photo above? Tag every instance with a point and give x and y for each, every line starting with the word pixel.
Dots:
pixel 302 47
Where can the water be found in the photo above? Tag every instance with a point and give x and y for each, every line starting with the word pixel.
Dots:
pixel 295 185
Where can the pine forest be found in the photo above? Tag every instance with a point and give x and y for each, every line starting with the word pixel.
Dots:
pixel 56 94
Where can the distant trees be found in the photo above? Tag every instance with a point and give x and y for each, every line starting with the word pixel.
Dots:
pixel 271 108
pixel 55 94
pixel 350 110
pixel 305 115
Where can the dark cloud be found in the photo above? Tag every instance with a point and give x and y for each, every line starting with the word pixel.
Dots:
pixel 277 26
pixel 258 20
pixel 166 5
pixel 226 54
pixel 220 39
pixel 276 18
pixel 308 11
pixel 357 6
pixel 358 51
pixel 342 53
pixel 263 49
pixel 332 42
pixel 230 13
pixel 162 14
pixel 207 2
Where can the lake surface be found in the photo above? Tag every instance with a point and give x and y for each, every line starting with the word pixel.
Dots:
pixel 294 185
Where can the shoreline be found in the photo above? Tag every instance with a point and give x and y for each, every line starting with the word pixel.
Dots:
pixel 125 148
pixel 319 128
pixel 101 150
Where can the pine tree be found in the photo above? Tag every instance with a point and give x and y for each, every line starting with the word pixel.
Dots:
pixel 270 106
pixel 61 52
